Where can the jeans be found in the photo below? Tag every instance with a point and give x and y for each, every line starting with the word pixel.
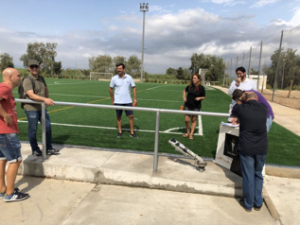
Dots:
pixel 33 117
pixel 252 166
pixel 10 148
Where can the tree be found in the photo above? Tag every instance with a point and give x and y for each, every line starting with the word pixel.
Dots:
pixel 86 73
pixel 119 59
pixel 212 63
pixel 6 61
pixel 133 66
pixel 171 71
pixel 101 63
pixel 288 69
pixel 57 67
pixel 254 72
pixel 180 74
pixel 105 64
pixel 44 53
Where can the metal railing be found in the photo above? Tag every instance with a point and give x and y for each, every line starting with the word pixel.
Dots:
pixel 143 109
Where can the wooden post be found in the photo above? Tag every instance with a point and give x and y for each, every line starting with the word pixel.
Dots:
pixel 290 89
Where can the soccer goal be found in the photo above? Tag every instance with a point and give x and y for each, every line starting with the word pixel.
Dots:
pixel 100 76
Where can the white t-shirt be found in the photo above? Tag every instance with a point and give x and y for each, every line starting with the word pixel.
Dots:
pixel 246 85
pixel 122 88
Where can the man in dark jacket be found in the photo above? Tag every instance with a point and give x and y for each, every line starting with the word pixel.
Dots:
pixel 253 147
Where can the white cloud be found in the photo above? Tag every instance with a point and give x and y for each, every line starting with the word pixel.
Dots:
pixel 170 39
pixel 295 21
pixel 261 3
pixel 158 9
pixel 226 2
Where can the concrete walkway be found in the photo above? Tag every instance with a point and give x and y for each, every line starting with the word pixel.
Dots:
pixel 177 194
pixel 286 117
pixel 56 202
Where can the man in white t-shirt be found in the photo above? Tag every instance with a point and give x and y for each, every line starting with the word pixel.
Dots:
pixel 243 83
pixel 122 83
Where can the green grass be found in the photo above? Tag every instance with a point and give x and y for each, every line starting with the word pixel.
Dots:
pixel 283 144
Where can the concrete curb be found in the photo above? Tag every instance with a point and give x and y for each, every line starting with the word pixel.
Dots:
pixel 40 168
pixel 270 205
pixel 278 171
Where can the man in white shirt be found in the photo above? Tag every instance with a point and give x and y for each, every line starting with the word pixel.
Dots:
pixel 243 83
pixel 122 83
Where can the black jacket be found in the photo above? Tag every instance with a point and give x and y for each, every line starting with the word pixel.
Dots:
pixel 253 139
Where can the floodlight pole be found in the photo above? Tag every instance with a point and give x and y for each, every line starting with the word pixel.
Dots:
pixel 259 65
pixel 283 73
pixel 144 7
pixel 277 66
pixel 243 59
pixel 249 67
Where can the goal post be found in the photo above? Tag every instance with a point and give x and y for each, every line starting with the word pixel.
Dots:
pixel 100 76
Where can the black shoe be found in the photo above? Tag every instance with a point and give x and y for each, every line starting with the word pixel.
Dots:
pixel 51 152
pixel 243 205
pixel 16 196
pixel 119 135
pixel 257 208
pixel 134 135
pixel 37 153
pixel 54 150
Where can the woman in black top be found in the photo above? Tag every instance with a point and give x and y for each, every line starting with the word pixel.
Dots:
pixel 195 94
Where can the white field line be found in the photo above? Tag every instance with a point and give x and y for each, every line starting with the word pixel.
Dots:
pixel 210 89
pixel 57 83
pixel 154 87
pixel 115 128
pixel 95 96
pixel 83 96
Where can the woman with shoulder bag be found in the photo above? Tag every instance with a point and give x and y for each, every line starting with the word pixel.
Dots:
pixel 195 94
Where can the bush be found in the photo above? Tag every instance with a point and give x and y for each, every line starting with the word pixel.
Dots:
pixel 268 86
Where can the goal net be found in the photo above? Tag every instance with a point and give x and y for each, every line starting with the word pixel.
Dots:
pixel 100 76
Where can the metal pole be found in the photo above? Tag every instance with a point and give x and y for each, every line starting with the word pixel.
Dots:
pixel 194 64
pixel 228 71
pixel 277 67
pixel 282 74
pixel 259 64
pixel 243 59
pixel 155 159
pixel 224 75
pixel 142 72
pixel 249 67
pixel 237 61
pixel 44 131
pixel 230 68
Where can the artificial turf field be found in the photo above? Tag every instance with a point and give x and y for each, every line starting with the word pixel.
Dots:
pixel 98 128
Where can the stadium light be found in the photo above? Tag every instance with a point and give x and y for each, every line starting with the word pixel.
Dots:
pixel 144 7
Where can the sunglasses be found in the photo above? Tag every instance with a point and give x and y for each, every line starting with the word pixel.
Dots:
pixel 34 67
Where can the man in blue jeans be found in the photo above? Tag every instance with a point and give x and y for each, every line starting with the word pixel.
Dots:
pixel 9 143
pixel 253 147
pixel 37 92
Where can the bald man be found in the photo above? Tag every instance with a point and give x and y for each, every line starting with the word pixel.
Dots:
pixel 9 143
pixel 253 148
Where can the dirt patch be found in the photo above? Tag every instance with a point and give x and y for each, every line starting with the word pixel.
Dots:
pixel 280 97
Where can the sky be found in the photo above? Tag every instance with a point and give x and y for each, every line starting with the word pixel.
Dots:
pixel 174 30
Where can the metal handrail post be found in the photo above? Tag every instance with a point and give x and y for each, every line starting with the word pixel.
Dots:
pixel 44 141
pixel 155 159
